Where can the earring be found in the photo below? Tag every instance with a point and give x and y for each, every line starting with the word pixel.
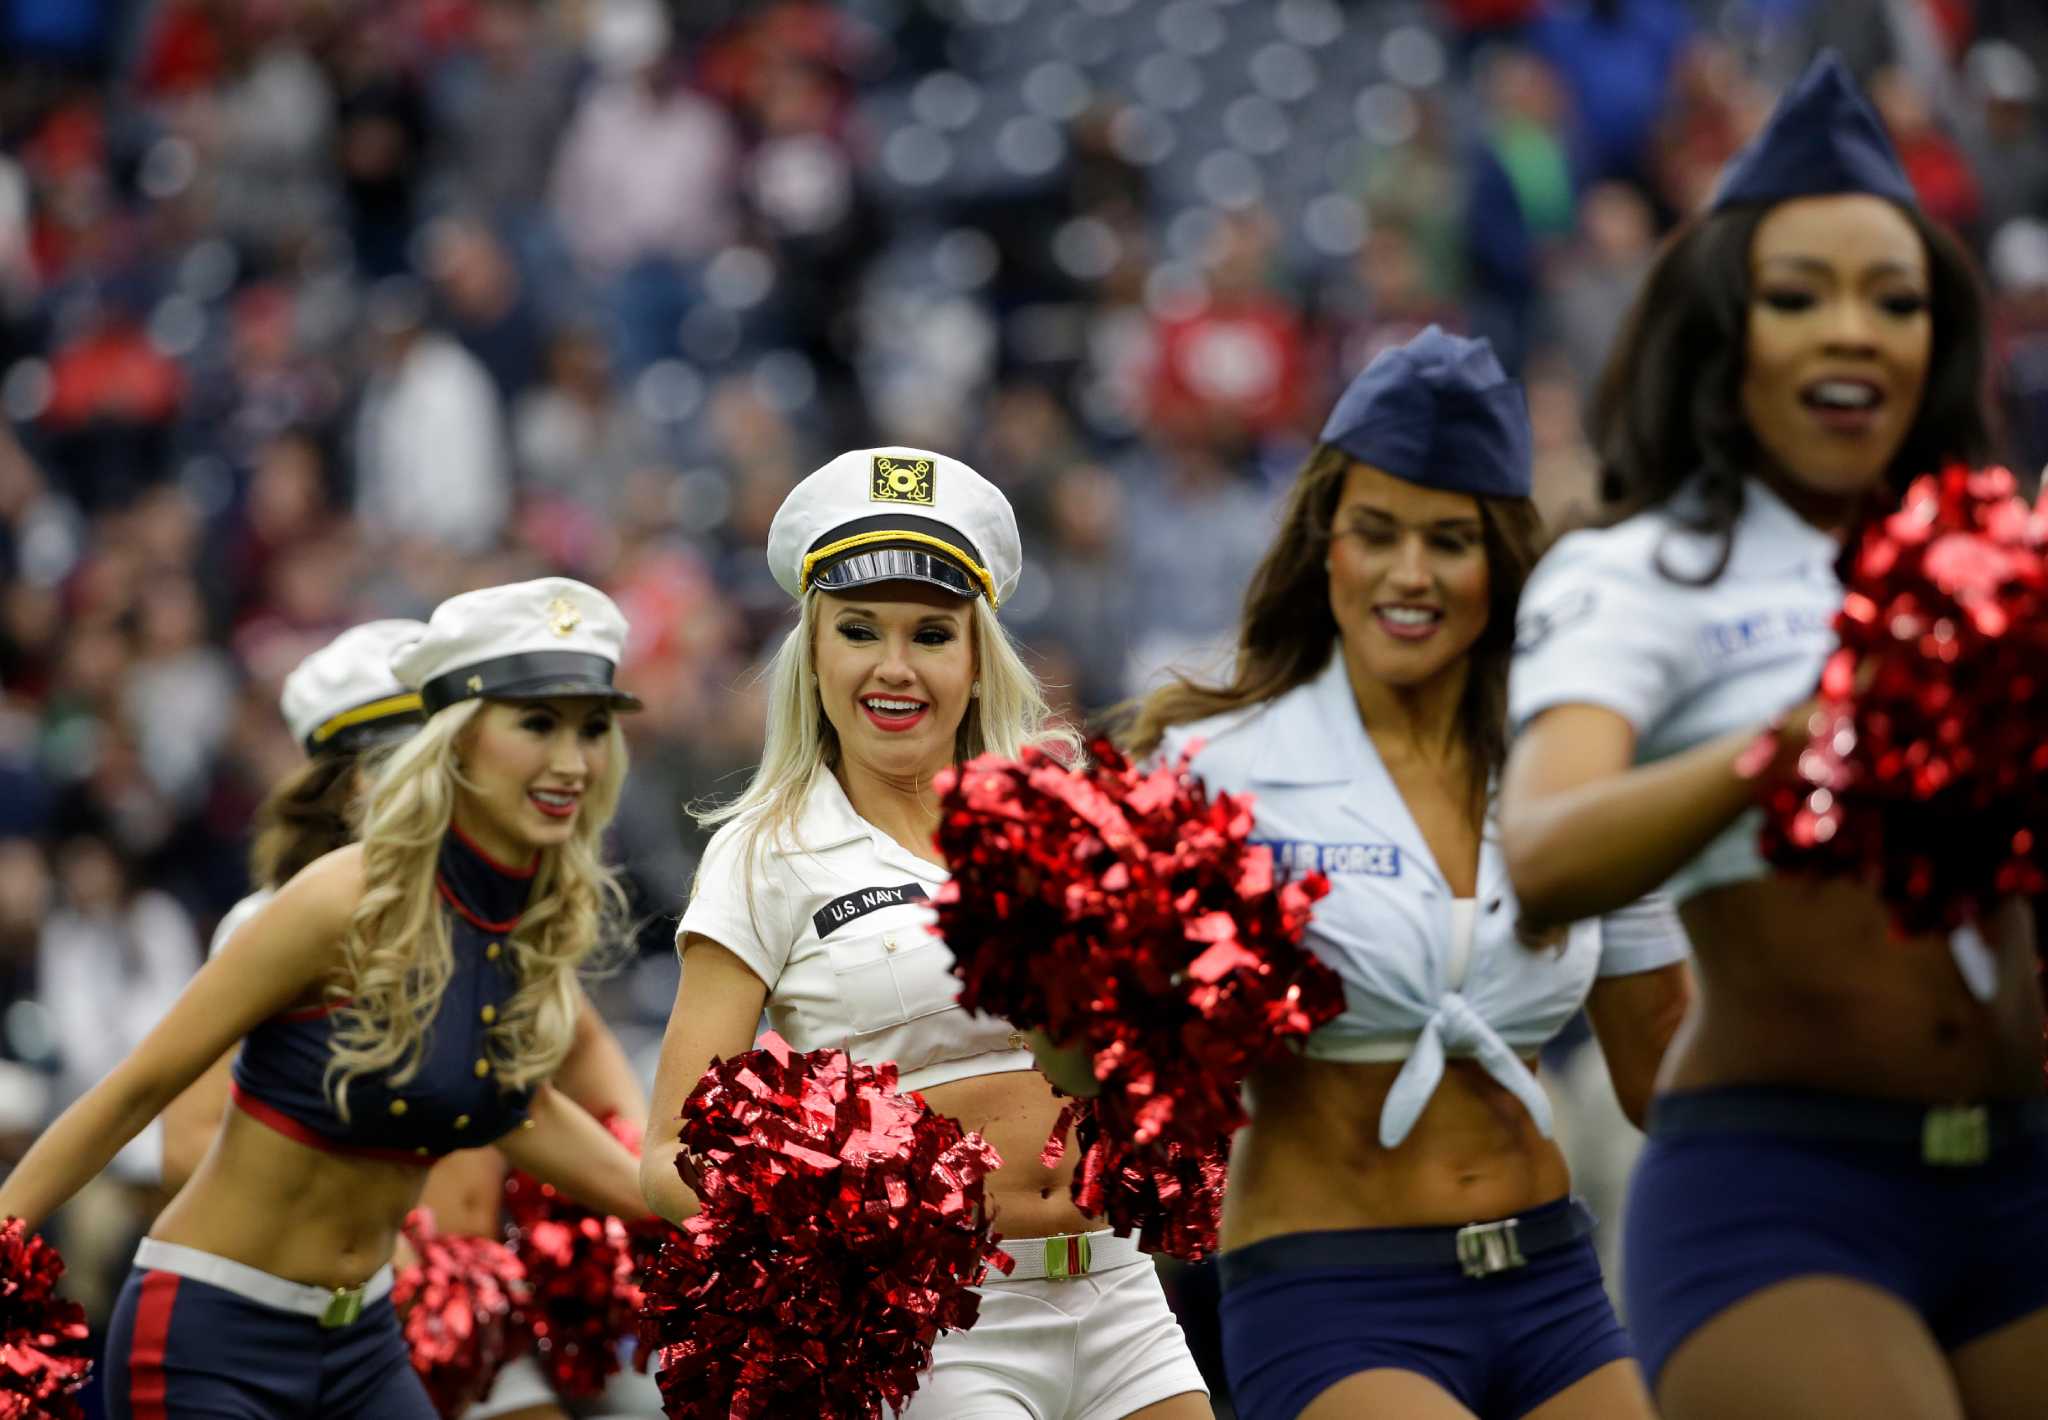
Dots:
pixel 975 690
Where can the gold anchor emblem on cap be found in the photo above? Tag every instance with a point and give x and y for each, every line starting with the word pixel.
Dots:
pixel 563 617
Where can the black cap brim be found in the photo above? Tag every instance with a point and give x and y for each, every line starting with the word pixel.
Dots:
pixel 533 675
pixel 870 565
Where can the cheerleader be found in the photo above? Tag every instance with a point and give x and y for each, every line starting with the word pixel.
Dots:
pixel 1399 1236
pixel 1843 1206
pixel 346 708
pixel 397 1000
pixel 811 899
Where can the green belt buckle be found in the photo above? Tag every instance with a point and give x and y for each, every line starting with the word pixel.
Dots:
pixel 343 1308
pixel 1956 1136
pixel 1066 1257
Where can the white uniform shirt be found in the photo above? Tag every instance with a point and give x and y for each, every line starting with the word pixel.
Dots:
pixel 837 921
pixel 1683 664
pixel 1322 799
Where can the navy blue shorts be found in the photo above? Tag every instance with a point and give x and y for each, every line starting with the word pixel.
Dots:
pixel 1502 1344
pixel 180 1349
pixel 1717 1217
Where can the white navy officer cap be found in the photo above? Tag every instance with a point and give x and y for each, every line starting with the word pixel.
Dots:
pixel 344 697
pixel 522 641
pixel 896 515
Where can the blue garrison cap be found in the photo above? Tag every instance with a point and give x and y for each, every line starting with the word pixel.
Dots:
pixel 1438 412
pixel 1823 138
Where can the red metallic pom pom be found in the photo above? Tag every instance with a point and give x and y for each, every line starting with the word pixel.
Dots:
pixel 582 1299
pixel 45 1353
pixel 1124 912
pixel 1926 775
pixel 457 1299
pixel 842 1226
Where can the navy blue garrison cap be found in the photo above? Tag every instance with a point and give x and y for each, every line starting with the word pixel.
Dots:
pixel 1438 412
pixel 1823 138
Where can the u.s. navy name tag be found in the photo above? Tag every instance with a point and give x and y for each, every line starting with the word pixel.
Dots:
pixel 842 910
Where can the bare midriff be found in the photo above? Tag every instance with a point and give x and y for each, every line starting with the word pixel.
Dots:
pixel 1311 1159
pixel 1801 984
pixel 282 1207
pixel 1015 1111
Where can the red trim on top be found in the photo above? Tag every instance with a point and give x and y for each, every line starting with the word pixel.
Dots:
pixel 299 1132
pixel 313 1013
pixel 147 1383
pixel 532 866
pixel 448 895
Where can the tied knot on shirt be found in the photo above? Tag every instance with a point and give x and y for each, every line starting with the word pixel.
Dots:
pixel 1456 1027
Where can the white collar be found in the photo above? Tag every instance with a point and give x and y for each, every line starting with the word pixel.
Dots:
pixel 829 821
pixel 1768 539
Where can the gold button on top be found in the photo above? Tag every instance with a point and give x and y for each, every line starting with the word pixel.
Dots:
pixel 888 944
pixel 489 1013
pixel 1016 1040
pixel 462 1121
pixel 423 1151
pixel 491 952
pixel 398 1106
pixel 483 1068
pixel 526 1124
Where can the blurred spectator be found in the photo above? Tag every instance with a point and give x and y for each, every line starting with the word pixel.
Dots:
pixel 380 142
pixel 113 399
pixel 1085 584
pixel 179 690
pixel 1598 276
pixel 1388 301
pixel 642 184
pixel 1232 355
pixel 1520 203
pixel 430 443
pixel 575 436
pixel 111 959
pixel 1615 59
pixel 500 109
pixel 484 299
pixel 2007 138
pixel 2019 275
pixel 1940 173
pixel 27 1051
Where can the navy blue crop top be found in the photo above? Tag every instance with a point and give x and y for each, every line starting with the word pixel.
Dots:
pixel 454 1102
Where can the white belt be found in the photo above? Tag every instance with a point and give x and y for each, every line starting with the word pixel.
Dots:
pixel 330 1306
pixel 1065 1256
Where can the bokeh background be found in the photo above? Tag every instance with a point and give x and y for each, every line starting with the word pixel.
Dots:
pixel 319 310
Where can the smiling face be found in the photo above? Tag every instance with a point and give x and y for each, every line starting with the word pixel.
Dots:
pixel 895 666
pixel 1408 576
pixel 1840 330
pixel 530 764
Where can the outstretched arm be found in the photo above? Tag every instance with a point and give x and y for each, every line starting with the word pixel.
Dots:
pixel 567 1147
pixel 596 1073
pixel 281 956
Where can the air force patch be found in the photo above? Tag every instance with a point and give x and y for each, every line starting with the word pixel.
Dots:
pixel 1294 856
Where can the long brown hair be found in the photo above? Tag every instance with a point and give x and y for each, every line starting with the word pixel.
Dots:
pixel 308 815
pixel 1287 631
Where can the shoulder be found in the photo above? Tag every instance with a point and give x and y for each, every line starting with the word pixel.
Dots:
pixel 1628 548
pixel 327 890
pixel 235 916
pixel 1219 740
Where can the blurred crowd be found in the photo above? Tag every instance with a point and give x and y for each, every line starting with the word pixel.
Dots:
pixel 318 310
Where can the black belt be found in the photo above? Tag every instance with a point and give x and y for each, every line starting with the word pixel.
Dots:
pixel 1950 1135
pixel 1478 1249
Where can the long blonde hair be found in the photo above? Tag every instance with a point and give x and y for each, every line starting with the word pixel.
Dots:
pixel 398 954
pixel 1010 713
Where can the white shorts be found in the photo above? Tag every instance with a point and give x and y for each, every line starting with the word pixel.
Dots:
pixel 519 1386
pixel 1093 1347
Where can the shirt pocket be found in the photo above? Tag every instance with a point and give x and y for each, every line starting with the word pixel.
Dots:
pixel 889 976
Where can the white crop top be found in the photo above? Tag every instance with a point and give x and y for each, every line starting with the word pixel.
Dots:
pixel 1419 985
pixel 837 922
pixel 1601 625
